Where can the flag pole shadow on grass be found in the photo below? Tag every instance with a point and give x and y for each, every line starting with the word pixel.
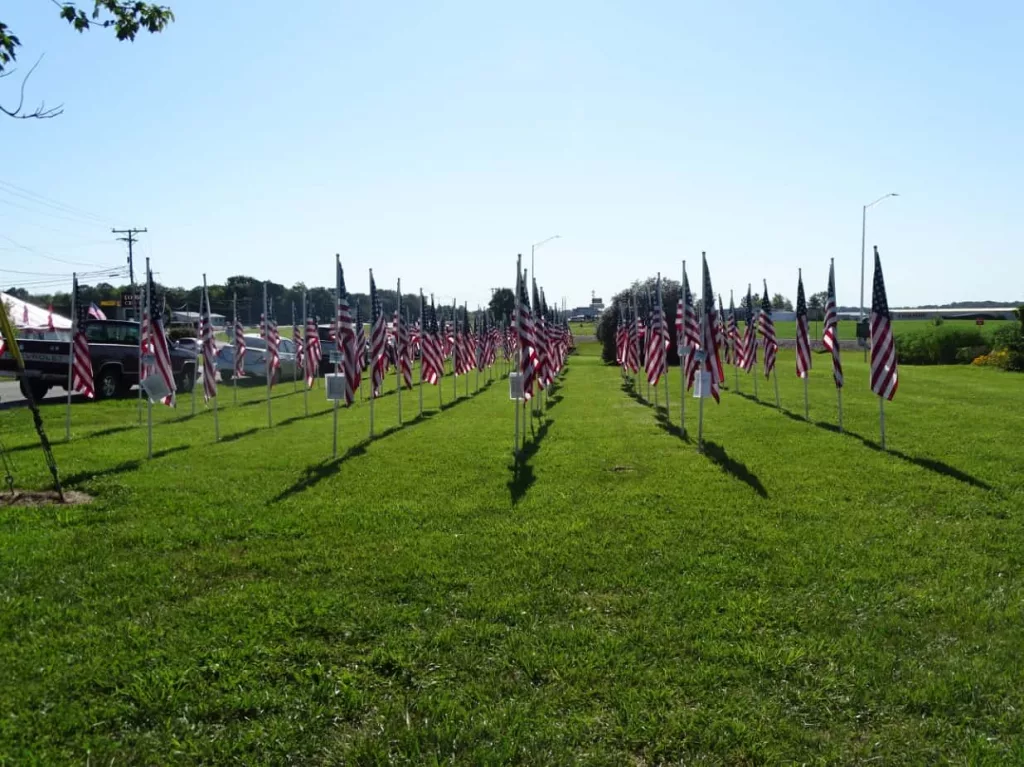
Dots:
pixel 736 468
pixel 122 468
pixel 318 472
pixel 522 472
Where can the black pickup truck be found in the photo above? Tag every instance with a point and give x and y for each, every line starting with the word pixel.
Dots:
pixel 114 350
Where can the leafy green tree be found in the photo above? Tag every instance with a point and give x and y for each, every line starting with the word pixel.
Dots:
pixel 127 19
pixel 781 303
pixel 503 304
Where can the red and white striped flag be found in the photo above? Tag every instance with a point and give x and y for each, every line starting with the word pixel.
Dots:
pixel 689 341
pixel 345 335
pixel 156 345
pixel 766 326
pixel 527 340
pixel 378 351
pixel 209 348
pixel 313 352
pixel 81 362
pixel 830 334
pixel 657 347
pixel 732 335
pixel 300 348
pixel 403 349
pixel 748 348
pixel 239 343
pixel 884 370
pixel 711 363
pixel 803 331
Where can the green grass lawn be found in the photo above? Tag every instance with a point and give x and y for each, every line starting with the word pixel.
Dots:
pixel 848 328
pixel 791 595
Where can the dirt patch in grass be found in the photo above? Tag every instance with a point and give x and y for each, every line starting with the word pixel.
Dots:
pixel 43 498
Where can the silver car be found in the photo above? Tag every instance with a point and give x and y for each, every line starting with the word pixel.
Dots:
pixel 255 360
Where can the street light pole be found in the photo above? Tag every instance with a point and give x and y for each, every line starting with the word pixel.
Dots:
pixel 863 241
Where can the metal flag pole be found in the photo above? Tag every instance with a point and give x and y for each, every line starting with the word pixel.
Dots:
pixel 305 352
pixel 700 371
pixel 340 349
pixel 839 389
pixel 519 349
pixel 664 319
pixel 270 372
pixel 234 331
pixel 373 362
pixel 681 345
pixel 295 367
pixel 455 345
pixel 465 334
pixel 735 351
pixel 423 331
pixel 478 350
pixel 140 308
pixel 209 311
pixel 198 366
pixel 398 352
pixel 71 354
pixel 149 402
pixel 753 338
pixel 775 379
pixel 881 418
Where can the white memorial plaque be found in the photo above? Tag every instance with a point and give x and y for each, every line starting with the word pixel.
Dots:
pixel 702 385
pixel 335 386
pixel 155 388
pixel 515 386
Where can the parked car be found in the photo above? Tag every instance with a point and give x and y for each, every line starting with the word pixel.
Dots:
pixel 193 345
pixel 114 352
pixel 255 360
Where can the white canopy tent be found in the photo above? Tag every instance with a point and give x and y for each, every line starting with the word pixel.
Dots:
pixel 34 319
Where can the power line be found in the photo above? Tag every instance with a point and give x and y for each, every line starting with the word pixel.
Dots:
pixel 28 194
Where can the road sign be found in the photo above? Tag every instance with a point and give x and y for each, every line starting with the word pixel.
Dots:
pixel 129 300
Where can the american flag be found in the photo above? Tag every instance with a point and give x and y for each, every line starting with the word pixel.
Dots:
pixel 540 339
pixel 803 331
pixel 721 332
pixel 403 348
pixel 658 344
pixel 712 363
pixel 432 362
pixel 96 313
pixel 748 348
pixel 313 351
pixel 273 337
pixel 689 341
pixel 508 341
pixel 49 317
pixel 209 348
pixel 732 334
pixel 766 326
pixel 633 341
pixel 620 337
pixel 360 358
pixel 378 356
pixel 527 340
pixel 155 343
pixel 297 340
pixel 81 362
pixel 884 372
pixel 239 343
pixel 830 334
pixel 345 335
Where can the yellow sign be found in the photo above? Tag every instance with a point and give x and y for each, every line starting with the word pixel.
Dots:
pixel 10 337
pixel 108 302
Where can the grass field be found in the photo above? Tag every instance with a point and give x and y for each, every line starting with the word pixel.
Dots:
pixel 791 595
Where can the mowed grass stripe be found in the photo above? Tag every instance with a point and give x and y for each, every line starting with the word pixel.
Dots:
pixel 621 597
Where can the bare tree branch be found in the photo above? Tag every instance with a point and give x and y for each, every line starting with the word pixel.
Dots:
pixel 41 112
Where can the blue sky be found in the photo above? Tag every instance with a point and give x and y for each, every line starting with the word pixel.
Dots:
pixel 434 141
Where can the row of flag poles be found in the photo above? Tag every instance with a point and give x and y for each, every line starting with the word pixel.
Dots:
pixel 702 342
pixel 394 342
pixel 541 342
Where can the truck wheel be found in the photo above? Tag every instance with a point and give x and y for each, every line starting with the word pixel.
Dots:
pixel 187 379
pixel 33 388
pixel 108 385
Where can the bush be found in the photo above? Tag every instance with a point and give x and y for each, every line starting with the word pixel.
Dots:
pixel 938 321
pixel 176 334
pixel 941 346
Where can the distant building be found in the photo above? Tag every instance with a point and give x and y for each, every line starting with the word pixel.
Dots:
pixel 191 319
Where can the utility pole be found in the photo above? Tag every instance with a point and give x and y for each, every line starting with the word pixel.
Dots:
pixel 130 239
